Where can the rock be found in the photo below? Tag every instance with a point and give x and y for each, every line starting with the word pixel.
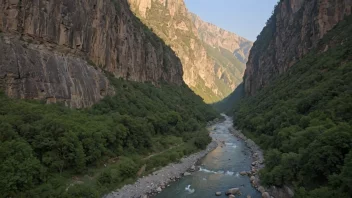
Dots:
pixel 311 21
pixel 233 191
pixel 243 173
pixel 252 178
pixel 159 189
pixel 265 195
pixel 57 70
pixel 187 174
pixel 145 196
pixel 248 196
pixel 254 163
pixel 192 169
pixel 218 193
pixel 232 196
pixel 261 189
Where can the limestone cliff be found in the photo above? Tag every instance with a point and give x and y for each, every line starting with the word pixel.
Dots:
pixel 57 49
pixel 295 27
pixel 218 37
pixel 210 68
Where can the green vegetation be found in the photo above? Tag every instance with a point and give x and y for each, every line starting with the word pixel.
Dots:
pixel 54 151
pixel 224 106
pixel 303 120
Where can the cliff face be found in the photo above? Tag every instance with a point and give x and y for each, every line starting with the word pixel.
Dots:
pixel 295 27
pixel 210 68
pixel 218 37
pixel 46 45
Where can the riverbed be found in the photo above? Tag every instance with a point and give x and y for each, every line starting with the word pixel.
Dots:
pixel 219 170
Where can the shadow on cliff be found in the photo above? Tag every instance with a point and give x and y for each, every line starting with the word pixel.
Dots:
pixel 226 105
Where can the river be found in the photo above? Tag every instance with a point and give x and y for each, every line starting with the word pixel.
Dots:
pixel 219 170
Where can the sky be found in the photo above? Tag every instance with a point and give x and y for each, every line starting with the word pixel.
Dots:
pixel 243 17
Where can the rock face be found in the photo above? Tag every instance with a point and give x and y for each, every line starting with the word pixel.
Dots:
pixel 63 35
pixel 191 39
pixel 218 37
pixel 26 72
pixel 295 27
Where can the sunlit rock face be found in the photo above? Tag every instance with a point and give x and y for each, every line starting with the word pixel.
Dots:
pixel 197 43
pixel 295 28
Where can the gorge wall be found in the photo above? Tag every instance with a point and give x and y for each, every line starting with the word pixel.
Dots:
pixel 295 27
pixel 58 50
pixel 206 51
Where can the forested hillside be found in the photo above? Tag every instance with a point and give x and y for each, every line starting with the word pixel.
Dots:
pixel 54 151
pixel 303 120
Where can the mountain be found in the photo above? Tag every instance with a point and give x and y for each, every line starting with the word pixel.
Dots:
pixel 51 50
pixel 292 31
pixel 105 101
pixel 207 52
pixel 220 38
pixel 297 103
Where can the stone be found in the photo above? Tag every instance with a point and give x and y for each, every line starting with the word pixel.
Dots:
pixel 261 189
pixel 243 173
pixel 233 191
pixel 193 168
pixel 218 193
pixel 159 189
pixel 252 178
pixel 265 195
pixel 248 196
pixel 231 196
pixel 187 174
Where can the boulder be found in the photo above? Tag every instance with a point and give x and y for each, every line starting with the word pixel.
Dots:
pixel 261 189
pixel 243 173
pixel 252 178
pixel 232 196
pixel 248 196
pixel 187 174
pixel 233 191
pixel 265 195
pixel 192 169
pixel 218 193
pixel 158 189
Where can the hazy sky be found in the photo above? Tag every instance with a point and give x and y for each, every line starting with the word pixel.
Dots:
pixel 243 17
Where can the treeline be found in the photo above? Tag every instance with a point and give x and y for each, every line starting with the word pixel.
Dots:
pixel 303 121
pixel 54 151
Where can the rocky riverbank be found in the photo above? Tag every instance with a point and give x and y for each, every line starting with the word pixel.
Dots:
pixel 257 164
pixel 155 182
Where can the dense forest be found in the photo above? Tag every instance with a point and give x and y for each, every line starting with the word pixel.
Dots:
pixel 49 150
pixel 303 120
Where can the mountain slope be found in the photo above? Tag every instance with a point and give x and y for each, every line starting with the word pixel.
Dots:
pixel 50 49
pixel 220 38
pixel 303 119
pixel 211 73
pixel 293 30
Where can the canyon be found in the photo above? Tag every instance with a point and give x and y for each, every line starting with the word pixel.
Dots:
pixel 213 59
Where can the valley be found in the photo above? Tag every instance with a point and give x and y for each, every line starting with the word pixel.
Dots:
pixel 143 98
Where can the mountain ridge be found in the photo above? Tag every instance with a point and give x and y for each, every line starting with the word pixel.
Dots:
pixel 205 69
